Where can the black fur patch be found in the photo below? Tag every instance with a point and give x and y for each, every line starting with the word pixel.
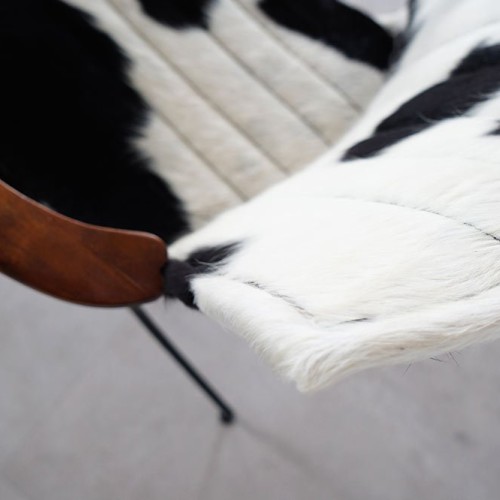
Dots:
pixel 334 23
pixel 402 40
pixel 496 131
pixel 179 14
pixel 412 6
pixel 68 117
pixel 378 142
pixel 178 273
pixel 472 82
pixel 401 43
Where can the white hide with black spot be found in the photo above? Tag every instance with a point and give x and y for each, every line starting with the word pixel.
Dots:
pixel 157 115
pixel 237 104
pixel 392 257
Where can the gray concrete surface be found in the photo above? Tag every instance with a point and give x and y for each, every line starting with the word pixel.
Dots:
pixel 92 409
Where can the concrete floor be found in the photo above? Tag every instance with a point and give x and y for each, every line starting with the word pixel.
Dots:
pixel 92 409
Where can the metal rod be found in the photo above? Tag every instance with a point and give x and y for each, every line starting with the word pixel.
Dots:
pixel 227 414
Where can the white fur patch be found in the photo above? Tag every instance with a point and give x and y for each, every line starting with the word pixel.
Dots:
pixel 364 264
pixel 392 259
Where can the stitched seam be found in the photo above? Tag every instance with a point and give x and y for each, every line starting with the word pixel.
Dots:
pixel 319 134
pixel 423 210
pixel 251 19
pixel 180 135
pixel 277 295
pixel 257 17
pixel 276 164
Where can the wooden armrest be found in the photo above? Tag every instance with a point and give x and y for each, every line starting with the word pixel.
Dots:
pixel 74 261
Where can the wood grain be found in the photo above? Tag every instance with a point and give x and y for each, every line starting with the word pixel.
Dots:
pixel 74 261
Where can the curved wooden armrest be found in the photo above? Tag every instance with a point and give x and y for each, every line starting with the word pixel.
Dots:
pixel 74 261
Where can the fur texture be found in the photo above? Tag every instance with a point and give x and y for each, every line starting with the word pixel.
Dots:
pixel 158 115
pixel 186 14
pixel 344 28
pixel 171 112
pixel 69 117
pixel 386 259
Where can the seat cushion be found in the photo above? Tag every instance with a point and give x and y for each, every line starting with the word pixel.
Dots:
pixel 159 115
pixel 386 249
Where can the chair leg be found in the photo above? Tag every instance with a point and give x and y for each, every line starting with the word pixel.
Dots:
pixel 226 413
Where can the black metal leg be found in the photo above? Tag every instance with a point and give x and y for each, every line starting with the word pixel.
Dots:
pixel 227 415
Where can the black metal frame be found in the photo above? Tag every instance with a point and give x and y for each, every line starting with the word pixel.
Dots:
pixel 226 413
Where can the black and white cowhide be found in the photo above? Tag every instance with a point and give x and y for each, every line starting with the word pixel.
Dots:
pixel 159 114
pixel 387 248
pixel 69 119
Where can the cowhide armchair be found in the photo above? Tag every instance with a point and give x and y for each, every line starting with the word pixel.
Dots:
pixel 185 119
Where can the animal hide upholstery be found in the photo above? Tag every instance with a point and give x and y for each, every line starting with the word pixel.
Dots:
pixel 159 114
pixel 156 115
pixel 386 249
